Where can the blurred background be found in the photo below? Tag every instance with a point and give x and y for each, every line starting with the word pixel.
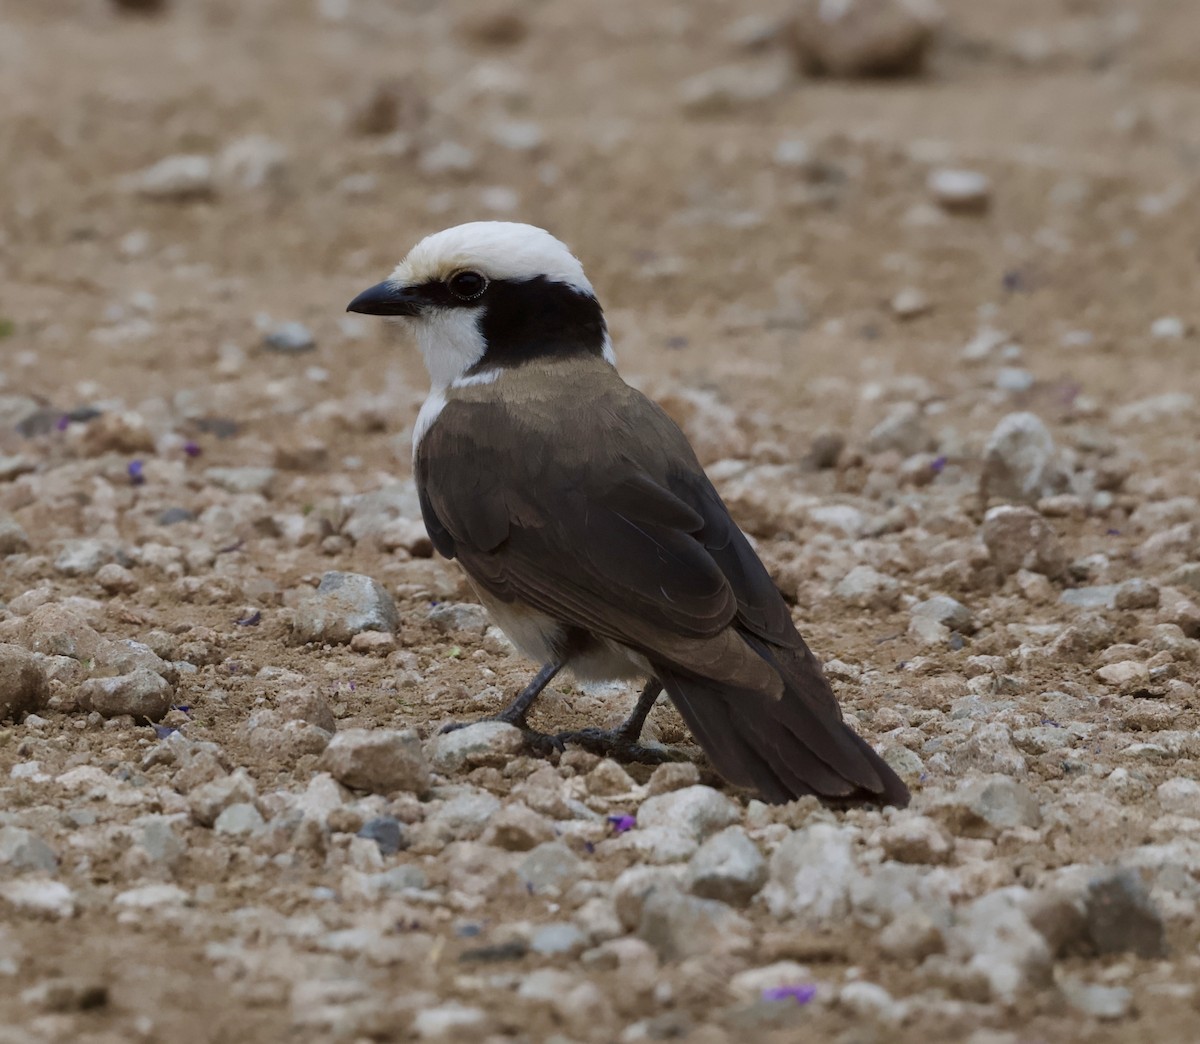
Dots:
pixel 181 177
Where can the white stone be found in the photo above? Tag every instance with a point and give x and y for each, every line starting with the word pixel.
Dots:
pixel 1020 461
pixel 145 897
pixel 695 811
pixel 51 898
pixel 483 743
pixel 811 873
pixel 175 178
pixel 968 191
pixel 449 1020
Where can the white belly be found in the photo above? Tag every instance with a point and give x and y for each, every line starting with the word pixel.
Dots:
pixel 539 637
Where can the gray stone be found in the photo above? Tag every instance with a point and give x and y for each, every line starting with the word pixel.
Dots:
pixel 660 845
pixel 400 878
pixel 988 747
pixel 1122 917
pixel 1187 575
pixel 869 1000
pixel 250 163
pixel 56 630
pixel 1102 596
pixel 386 831
pixel 1156 409
pixel 142 694
pixel 993 937
pixel 1129 676
pixel 1137 594
pixel 910 838
pixel 483 743
pixel 863 38
pixel 1020 462
pixel 1180 795
pixel 517 828
pixel 902 430
pixel 450 1021
pixel 551 868
pixel 175 178
pixel 242 479
pixel 446 158
pixel 13 539
pixel 38 897
pixel 83 557
pixel 24 688
pixel 306 704
pixel 286 740
pixel 459 616
pixel 23 850
pixel 1100 1002
pixel 381 761
pixel 345 604
pixel 673 775
pixel 557 940
pixel 726 88
pixel 125 656
pixel 65 995
pixel 159 840
pixel 987 806
pixel 695 812
pixel 464 816
pixel 961 191
pixel 679 926
pixel 150 896
pixel 210 799
pixel 1019 538
pixel 947 611
pixel 811 873
pixel 239 820
pixel 914 934
pixel 290 339
pixel 866 588
pixel 748 986
pixel 634 886
pixel 374 515
pixel 727 867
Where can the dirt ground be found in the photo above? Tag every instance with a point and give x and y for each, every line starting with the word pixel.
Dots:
pixel 750 285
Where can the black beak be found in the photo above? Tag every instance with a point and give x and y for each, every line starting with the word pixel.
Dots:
pixel 387 299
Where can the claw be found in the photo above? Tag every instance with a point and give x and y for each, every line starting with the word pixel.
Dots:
pixel 616 743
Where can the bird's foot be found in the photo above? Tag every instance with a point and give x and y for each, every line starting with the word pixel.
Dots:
pixel 617 744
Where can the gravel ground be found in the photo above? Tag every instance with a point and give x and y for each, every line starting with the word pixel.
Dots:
pixel 935 339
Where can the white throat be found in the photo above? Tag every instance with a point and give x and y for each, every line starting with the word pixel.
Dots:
pixel 451 343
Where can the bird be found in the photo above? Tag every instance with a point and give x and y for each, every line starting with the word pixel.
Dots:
pixel 588 528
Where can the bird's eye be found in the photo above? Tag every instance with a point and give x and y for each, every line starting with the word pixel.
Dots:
pixel 467 286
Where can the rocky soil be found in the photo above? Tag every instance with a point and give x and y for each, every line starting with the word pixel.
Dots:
pixel 934 337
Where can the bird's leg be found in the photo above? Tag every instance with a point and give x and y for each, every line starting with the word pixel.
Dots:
pixel 517 712
pixel 622 742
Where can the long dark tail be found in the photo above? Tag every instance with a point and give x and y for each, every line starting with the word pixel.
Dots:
pixel 783 747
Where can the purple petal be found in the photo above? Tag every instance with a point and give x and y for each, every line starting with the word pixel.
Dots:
pixel 622 823
pixel 192 449
pixel 938 465
pixel 63 423
pixel 253 620
pixel 801 993
pixel 135 472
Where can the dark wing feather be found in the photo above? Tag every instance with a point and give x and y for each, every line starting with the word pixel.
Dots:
pixel 617 536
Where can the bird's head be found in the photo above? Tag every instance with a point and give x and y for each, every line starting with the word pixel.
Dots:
pixel 489 295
